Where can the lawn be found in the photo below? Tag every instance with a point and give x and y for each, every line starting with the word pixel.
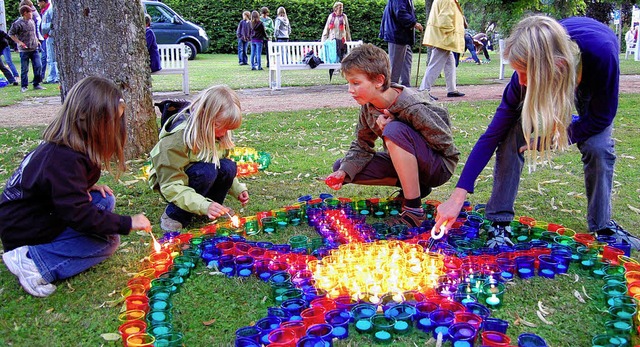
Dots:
pixel 304 144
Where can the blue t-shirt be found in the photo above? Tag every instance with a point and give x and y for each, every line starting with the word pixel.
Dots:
pixel 596 96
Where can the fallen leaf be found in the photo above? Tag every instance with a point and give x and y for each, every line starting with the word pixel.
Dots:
pixel 110 336
pixel 209 322
pixel 634 209
pixel 50 310
pixel 71 289
pixel 585 293
pixel 578 296
pixel 542 318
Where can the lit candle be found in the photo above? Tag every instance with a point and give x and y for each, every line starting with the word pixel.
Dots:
pixel 493 300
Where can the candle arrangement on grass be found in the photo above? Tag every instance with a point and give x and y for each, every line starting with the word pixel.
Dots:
pixel 362 276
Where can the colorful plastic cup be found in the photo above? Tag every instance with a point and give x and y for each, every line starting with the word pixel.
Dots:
pixel 525 266
pixel 495 325
pixel 531 340
pixel 495 339
pixel 173 339
pixel 462 332
pixel 548 266
pixel 140 340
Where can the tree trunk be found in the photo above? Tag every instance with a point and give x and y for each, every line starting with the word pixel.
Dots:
pixel 107 39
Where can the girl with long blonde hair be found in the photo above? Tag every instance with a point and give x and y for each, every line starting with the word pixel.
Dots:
pixel 190 167
pixel 559 67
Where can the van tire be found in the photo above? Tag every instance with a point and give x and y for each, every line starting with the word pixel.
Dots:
pixel 192 51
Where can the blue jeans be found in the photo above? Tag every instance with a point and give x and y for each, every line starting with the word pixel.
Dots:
pixel 43 59
pixel 73 252
pixel 52 64
pixel 598 158
pixel 34 56
pixel 6 72
pixel 432 171
pixel 242 51
pixel 207 180
pixel 256 51
pixel 6 53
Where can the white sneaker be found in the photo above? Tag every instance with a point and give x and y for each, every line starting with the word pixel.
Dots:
pixel 27 272
pixel 168 224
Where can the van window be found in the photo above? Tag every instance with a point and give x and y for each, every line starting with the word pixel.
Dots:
pixel 159 14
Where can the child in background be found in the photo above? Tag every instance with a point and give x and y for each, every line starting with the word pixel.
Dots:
pixel 57 222
pixel 258 34
pixel 189 164
pixel 416 134
pixel 243 33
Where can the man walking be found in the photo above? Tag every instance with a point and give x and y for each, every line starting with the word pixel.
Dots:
pixel 397 29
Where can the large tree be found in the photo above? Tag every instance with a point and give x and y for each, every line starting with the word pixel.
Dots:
pixel 107 38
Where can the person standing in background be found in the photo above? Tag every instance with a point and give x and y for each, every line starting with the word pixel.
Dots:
pixel 23 33
pixel 268 28
pixel 152 46
pixel 44 6
pixel 337 25
pixel 258 35
pixel 47 29
pixel 445 33
pixel 282 29
pixel 397 29
pixel 243 33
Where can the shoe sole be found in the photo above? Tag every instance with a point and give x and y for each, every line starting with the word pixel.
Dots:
pixel 23 280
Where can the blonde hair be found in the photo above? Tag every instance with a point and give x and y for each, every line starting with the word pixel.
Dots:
pixel 246 15
pixel 217 107
pixel 281 12
pixel 336 4
pixel 542 47
pixel 89 122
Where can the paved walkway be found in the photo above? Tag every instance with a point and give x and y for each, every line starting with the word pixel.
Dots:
pixel 40 111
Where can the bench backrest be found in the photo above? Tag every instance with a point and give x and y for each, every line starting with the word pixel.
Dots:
pixel 296 51
pixel 173 56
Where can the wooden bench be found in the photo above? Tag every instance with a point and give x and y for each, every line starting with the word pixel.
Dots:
pixel 290 56
pixel 503 60
pixel 173 60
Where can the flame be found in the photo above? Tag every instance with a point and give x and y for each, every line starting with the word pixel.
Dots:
pixel 235 221
pixel 156 244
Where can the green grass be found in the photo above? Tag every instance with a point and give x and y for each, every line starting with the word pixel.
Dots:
pixel 210 69
pixel 304 144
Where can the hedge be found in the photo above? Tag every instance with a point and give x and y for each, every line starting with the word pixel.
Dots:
pixel 220 18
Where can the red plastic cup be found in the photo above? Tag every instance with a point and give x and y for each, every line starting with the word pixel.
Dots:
pixel 495 339
pixel 313 315
pixel 130 328
pixel 284 336
pixel 137 302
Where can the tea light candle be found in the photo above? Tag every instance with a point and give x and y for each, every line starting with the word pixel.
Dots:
pixel 621 325
pixel 160 305
pixel 158 316
pixel 401 326
pixel 467 300
pixel 506 275
pixel 382 336
pixel 363 325
pixel 244 273
pixel 425 324
pixel 269 230
pixel 160 330
pixel 547 273
pixel 461 344
pixel 493 300
pixel 131 330
pixel 339 332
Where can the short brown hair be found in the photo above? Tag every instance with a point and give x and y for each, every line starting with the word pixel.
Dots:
pixel 24 9
pixel 369 60
pixel 264 10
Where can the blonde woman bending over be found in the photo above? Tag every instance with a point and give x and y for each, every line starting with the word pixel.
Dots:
pixel 549 58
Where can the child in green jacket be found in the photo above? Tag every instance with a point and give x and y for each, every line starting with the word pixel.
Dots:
pixel 189 164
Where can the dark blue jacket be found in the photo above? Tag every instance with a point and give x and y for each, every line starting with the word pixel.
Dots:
pixel 596 96
pixel 152 46
pixel 398 21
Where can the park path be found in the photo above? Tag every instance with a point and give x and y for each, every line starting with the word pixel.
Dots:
pixel 40 111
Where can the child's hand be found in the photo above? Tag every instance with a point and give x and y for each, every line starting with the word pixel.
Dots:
pixel 243 197
pixel 385 118
pixel 216 210
pixel 102 188
pixel 140 222
pixel 335 180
